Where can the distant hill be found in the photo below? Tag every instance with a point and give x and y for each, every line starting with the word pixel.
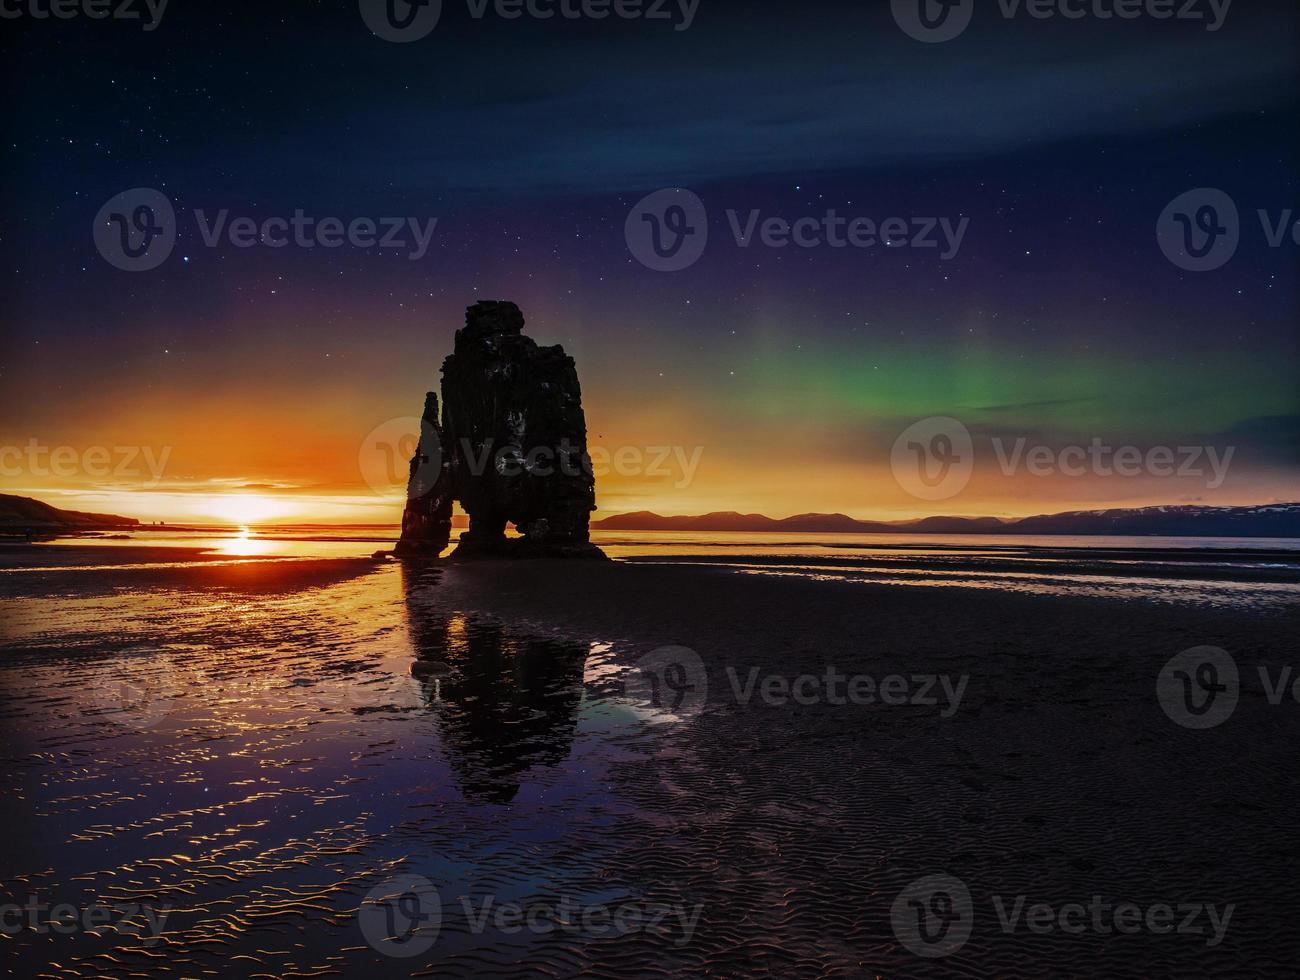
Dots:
pixel 24 512
pixel 1262 521
pixel 729 520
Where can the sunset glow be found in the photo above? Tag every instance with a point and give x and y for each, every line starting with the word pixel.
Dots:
pixel 249 508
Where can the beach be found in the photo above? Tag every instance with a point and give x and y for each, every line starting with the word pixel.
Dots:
pixel 633 768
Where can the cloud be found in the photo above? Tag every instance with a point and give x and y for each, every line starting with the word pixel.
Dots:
pixel 851 94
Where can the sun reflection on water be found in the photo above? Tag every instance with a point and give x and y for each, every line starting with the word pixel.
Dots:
pixel 244 544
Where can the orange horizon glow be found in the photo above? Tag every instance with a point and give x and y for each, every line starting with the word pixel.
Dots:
pixel 326 460
pixel 281 507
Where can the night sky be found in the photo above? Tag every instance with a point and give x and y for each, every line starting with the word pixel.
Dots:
pixel 1058 320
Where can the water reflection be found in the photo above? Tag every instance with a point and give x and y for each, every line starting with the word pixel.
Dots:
pixel 504 702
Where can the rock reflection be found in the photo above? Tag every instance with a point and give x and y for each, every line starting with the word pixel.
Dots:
pixel 504 702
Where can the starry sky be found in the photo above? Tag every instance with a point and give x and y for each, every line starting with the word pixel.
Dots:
pixel 264 374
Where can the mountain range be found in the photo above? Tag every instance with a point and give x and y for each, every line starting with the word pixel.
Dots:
pixel 1264 520
pixel 1191 520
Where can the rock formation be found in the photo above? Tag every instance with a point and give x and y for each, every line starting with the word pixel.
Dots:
pixel 426 522
pixel 513 441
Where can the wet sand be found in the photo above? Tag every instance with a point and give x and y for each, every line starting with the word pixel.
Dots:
pixel 297 756
pixel 29 555
pixel 1059 777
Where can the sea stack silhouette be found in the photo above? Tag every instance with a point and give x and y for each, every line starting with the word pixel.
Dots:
pixel 510 448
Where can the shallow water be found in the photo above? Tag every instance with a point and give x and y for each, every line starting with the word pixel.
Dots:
pixel 256 764
pixel 1258 573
